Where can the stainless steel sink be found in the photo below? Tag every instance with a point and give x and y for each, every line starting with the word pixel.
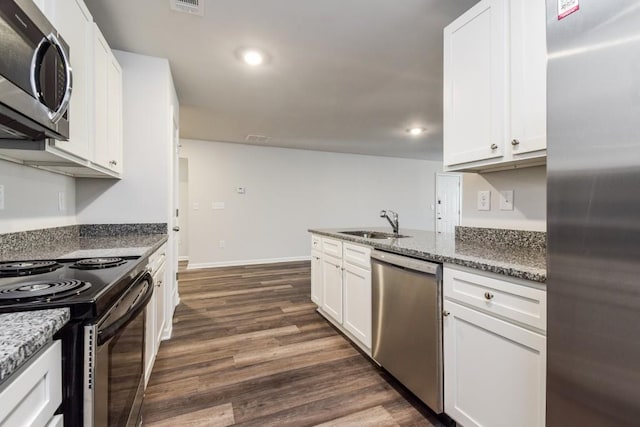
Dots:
pixel 373 234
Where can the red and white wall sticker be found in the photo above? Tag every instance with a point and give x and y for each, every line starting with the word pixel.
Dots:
pixel 567 7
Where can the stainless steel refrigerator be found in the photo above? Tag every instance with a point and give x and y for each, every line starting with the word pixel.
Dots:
pixel 593 365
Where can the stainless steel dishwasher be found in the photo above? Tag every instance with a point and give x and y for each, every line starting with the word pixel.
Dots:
pixel 407 323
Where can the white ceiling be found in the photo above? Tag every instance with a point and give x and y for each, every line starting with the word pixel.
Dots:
pixel 344 76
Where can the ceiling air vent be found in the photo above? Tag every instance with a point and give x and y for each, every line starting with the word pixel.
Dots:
pixel 193 7
pixel 258 139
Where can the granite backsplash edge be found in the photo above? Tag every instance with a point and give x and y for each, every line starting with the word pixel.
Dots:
pixel 23 241
pixel 504 238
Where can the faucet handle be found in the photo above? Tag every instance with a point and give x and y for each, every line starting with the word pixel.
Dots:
pixel 383 213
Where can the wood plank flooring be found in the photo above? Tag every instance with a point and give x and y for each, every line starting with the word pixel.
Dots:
pixel 248 349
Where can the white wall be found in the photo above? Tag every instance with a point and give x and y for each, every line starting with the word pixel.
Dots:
pixel 31 198
pixel 530 199
pixel 289 191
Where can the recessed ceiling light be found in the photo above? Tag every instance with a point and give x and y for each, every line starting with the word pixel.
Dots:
pixel 253 57
pixel 416 131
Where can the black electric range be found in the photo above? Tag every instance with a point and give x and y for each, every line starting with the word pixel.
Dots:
pixel 94 289
pixel 88 286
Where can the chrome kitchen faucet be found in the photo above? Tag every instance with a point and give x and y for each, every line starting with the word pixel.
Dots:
pixel 393 220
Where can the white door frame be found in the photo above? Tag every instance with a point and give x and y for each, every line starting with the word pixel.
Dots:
pixel 435 216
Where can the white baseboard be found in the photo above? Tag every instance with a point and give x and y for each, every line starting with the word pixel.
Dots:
pixel 198 266
pixel 183 258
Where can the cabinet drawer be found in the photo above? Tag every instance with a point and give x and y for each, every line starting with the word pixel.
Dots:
pixel 357 255
pixel 158 257
pixel 512 300
pixel 316 242
pixel 332 247
pixel 32 398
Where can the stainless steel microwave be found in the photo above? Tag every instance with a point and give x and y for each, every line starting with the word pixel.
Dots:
pixel 35 75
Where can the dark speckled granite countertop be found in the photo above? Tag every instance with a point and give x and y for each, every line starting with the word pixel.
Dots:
pixel 521 262
pixel 86 247
pixel 23 334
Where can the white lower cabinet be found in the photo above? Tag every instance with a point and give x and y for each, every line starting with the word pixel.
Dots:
pixel 155 313
pixel 357 302
pixel 341 286
pixel 332 286
pixel 316 277
pixel 494 369
pixel 32 398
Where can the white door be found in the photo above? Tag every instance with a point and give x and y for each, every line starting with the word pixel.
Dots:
pixel 175 211
pixel 183 235
pixel 448 202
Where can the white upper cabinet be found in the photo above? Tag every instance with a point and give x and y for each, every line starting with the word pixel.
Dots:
pixel 75 23
pixel 475 73
pixel 108 105
pixel 495 86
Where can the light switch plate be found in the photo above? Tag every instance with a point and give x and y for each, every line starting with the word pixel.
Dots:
pixel 1 197
pixel 506 200
pixel 62 201
pixel 484 200
pixel 217 205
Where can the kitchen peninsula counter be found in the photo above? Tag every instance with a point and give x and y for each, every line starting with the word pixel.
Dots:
pixel 513 253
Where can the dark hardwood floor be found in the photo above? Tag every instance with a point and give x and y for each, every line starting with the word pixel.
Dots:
pixel 248 349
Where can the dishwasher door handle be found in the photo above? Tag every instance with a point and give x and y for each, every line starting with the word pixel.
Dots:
pixel 405 262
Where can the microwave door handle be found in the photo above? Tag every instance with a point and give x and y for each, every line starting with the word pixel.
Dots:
pixel 110 331
pixel 64 104
pixel 36 64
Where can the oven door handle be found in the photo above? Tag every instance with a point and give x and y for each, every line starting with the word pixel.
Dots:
pixel 110 331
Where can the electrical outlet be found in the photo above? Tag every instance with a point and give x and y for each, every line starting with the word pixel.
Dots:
pixel 222 244
pixel 484 200
pixel 196 206
pixel 241 190
pixel 1 197
pixel 506 200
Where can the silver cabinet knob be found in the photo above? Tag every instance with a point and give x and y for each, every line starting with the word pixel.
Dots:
pixel 488 296
pixel 176 228
pixel 445 313
pixel 113 163
pixel 515 142
pixel 494 146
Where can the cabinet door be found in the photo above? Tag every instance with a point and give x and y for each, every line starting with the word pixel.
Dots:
pixel 114 114
pixel 528 76
pixel 149 337
pixel 160 291
pixel 332 287
pixel 75 23
pixel 357 302
pixel 316 278
pixel 101 58
pixel 494 371
pixel 475 84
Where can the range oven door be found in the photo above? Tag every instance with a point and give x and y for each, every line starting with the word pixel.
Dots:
pixel 35 75
pixel 114 360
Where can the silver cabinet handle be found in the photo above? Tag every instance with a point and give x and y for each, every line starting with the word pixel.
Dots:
pixel 494 146
pixel 445 313
pixel 515 142
pixel 488 296
pixel 176 228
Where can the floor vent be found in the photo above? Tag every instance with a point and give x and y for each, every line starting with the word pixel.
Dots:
pixel 192 7
pixel 258 139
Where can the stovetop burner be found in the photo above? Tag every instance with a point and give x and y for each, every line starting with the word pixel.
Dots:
pixel 26 268
pixel 96 263
pixel 43 290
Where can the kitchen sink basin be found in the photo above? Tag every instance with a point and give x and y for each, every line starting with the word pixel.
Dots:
pixel 373 234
